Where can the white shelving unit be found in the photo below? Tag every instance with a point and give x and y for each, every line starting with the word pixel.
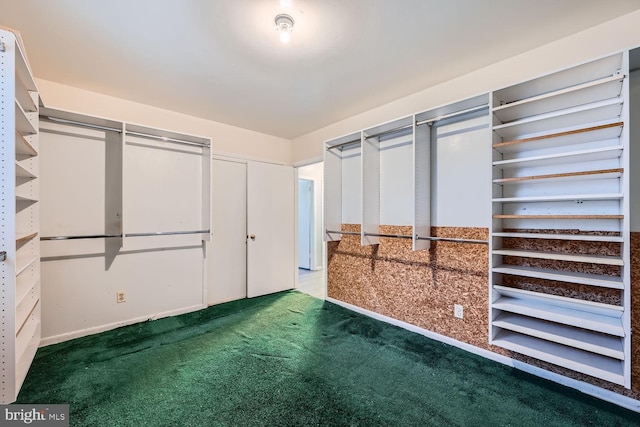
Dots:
pixel 560 166
pixel 19 218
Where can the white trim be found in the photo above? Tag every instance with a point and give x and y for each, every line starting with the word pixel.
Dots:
pixel 586 388
pixel 102 328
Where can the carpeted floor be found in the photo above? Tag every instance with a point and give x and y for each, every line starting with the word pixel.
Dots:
pixel 292 360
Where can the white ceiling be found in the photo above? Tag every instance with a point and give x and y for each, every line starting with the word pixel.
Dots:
pixel 222 59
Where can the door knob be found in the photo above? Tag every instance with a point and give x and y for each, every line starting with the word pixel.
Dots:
pixel 253 237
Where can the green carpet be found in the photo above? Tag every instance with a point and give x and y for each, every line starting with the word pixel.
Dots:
pixel 292 360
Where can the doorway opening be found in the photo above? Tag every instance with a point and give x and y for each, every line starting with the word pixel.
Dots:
pixel 311 248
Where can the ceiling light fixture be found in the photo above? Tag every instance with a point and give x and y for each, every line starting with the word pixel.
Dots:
pixel 284 25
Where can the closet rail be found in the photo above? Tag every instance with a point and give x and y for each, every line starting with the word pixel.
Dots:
pixel 454 114
pixel 404 236
pixel 347 233
pixel 111 236
pixel 117 130
pixel 344 144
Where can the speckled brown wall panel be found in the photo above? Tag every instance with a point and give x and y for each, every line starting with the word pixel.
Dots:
pixel 418 287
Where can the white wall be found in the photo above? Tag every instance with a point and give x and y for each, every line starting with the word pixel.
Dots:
pixel 613 36
pixel 227 140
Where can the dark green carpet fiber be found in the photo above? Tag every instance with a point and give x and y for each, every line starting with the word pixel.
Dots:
pixel 292 360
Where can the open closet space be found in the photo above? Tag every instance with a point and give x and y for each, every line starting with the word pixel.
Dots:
pixel 292 212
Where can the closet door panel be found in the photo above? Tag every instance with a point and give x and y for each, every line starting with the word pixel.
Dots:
pixel 271 228
pixel 228 259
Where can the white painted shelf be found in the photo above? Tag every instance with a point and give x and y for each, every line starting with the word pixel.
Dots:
pixel 25 289
pixel 558 141
pixel 562 177
pixel 20 268
pixel 548 236
pixel 23 124
pixel 566 316
pixel 26 334
pixel 25 199
pixel 23 172
pixel 559 198
pixel 585 93
pixel 25 237
pixel 608 109
pixel 606 345
pixel 558 256
pixel 592 364
pixel 594 307
pixel 587 155
pixel 613 282
pixel 23 310
pixel 23 147
pixel 571 136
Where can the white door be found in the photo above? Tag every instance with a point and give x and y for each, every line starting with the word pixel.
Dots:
pixel 305 222
pixel 228 277
pixel 271 228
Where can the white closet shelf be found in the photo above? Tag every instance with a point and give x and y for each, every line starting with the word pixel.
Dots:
pixel 557 256
pixel 23 71
pixel 24 237
pixel 565 176
pixel 585 93
pixel 24 98
pixel 605 345
pixel 579 135
pixel 613 282
pixel 23 147
pixel 595 365
pixel 559 198
pixel 28 354
pixel 609 109
pixel 513 216
pixel 557 314
pixel 550 236
pixel 20 268
pixel 608 310
pixel 26 335
pixel 583 73
pixel 25 199
pixel 23 311
pixel 23 124
pixel 25 289
pixel 588 155
pixel 23 172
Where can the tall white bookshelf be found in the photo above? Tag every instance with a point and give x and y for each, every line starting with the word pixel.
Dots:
pixel 560 281
pixel 19 219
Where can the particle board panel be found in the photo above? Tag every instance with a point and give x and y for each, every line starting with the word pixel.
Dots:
pixel 417 287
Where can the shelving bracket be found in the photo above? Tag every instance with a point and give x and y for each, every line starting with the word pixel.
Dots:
pixel 2 47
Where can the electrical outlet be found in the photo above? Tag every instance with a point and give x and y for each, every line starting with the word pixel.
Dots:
pixel 121 297
pixel 458 311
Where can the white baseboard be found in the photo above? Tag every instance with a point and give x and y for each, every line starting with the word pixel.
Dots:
pixel 102 328
pixel 590 389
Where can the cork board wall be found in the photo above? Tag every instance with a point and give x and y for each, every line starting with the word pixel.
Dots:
pixel 422 287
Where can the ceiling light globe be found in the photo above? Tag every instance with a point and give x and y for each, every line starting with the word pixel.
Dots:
pixel 285 36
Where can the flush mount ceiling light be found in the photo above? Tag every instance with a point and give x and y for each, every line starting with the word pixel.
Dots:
pixel 284 25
